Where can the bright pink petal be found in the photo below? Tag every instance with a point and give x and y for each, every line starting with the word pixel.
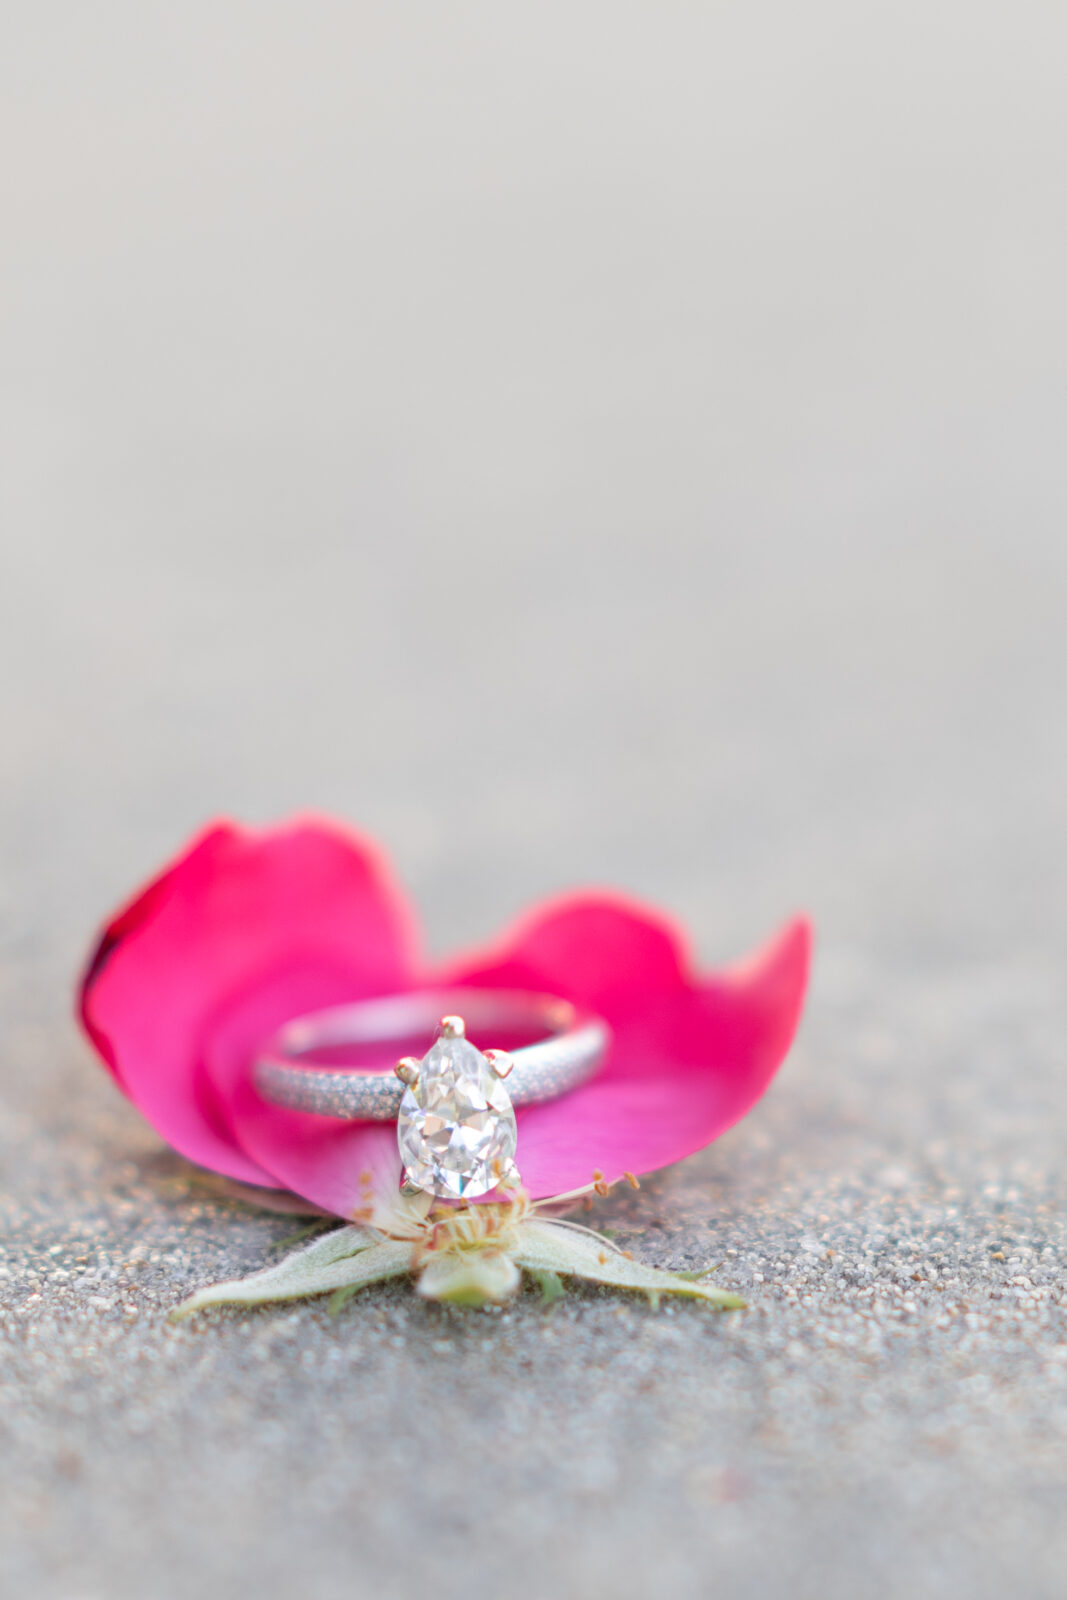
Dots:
pixel 256 926
pixel 333 1163
pixel 688 1057
pixel 602 951
pixel 340 1166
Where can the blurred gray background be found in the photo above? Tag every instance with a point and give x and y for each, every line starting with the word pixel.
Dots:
pixel 577 443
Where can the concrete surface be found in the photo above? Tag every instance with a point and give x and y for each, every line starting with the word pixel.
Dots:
pixel 578 443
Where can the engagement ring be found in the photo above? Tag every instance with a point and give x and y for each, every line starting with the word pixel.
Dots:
pixel 455 1119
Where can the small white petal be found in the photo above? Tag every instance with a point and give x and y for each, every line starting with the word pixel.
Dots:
pixel 401 1216
pixel 469 1277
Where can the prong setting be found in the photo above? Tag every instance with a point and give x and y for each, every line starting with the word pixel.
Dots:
pixel 407 1070
pixel 409 1190
pixel 500 1061
pixel 453 1028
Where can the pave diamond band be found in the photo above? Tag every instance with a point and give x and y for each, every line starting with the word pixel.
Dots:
pixel 286 1073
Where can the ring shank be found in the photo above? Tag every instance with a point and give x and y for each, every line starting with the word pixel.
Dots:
pixel 571 1052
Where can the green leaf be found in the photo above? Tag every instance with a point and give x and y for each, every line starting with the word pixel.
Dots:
pixel 549 1283
pixel 546 1246
pixel 345 1258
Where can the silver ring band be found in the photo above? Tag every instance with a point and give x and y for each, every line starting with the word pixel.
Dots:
pixel 571 1052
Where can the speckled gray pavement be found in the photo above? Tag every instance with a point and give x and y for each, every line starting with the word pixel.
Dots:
pixel 579 443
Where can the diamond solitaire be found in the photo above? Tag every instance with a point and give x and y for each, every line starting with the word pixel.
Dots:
pixel 456 1127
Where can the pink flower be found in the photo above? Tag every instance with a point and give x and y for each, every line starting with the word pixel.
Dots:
pixel 247 929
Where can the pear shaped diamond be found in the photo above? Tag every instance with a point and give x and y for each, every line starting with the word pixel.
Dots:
pixel 456 1127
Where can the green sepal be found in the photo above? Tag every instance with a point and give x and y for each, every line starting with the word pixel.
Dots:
pixel 340 1298
pixel 550 1284
pixel 346 1258
pixel 571 1252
